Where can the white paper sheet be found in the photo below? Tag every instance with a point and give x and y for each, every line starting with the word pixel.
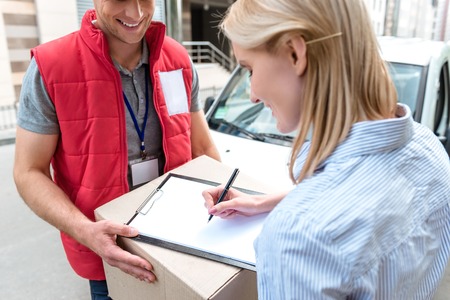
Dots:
pixel 176 214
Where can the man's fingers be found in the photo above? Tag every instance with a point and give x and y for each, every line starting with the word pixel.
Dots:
pixel 135 271
pixel 120 229
pixel 129 231
pixel 131 264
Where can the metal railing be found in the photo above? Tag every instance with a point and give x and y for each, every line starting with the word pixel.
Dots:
pixel 8 118
pixel 206 52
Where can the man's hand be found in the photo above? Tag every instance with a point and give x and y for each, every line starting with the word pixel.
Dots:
pixel 34 183
pixel 101 238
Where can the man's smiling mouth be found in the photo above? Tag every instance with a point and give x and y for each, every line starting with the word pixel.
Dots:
pixel 128 24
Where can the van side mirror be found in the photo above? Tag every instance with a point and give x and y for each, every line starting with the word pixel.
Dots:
pixel 208 103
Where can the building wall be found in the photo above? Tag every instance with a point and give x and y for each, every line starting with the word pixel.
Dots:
pixel 186 21
pixel 25 24
pixel 446 34
pixel 442 25
pixel 377 10
pixel 18 33
pixel 416 19
pixel 56 18
pixel 6 85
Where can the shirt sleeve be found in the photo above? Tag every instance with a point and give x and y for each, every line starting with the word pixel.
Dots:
pixel 294 260
pixel 36 111
pixel 195 100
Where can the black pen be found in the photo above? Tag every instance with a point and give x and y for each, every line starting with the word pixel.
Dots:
pixel 227 187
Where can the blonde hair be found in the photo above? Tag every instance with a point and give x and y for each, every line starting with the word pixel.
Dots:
pixel 346 80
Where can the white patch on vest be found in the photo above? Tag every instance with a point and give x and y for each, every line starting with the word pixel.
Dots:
pixel 174 92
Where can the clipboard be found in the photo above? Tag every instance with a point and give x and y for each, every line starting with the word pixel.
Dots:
pixel 173 216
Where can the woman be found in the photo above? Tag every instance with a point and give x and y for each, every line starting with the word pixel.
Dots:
pixel 369 217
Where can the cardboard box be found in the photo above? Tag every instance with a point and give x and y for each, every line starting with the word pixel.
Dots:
pixel 179 275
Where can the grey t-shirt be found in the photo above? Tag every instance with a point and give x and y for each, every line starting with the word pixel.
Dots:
pixel 37 113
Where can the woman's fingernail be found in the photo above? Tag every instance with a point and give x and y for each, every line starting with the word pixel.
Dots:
pixel 134 231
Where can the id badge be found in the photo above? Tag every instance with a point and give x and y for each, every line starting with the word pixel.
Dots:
pixel 143 170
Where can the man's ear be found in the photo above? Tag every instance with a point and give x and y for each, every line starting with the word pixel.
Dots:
pixel 297 50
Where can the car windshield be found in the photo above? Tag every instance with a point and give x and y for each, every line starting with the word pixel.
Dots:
pixel 235 114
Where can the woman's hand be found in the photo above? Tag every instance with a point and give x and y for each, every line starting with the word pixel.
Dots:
pixel 237 202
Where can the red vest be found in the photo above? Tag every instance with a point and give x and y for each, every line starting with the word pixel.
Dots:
pixel 91 161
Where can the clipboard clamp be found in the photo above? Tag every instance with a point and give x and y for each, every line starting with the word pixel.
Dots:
pixel 148 203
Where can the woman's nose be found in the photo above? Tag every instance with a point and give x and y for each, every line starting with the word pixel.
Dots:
pixel 254 98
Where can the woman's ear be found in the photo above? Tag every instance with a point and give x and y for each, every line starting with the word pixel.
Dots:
pixel 297 51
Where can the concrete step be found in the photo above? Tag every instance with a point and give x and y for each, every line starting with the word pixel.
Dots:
pixel 212 78
pixel 211 75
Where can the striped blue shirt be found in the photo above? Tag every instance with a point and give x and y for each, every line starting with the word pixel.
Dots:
pixel 373 222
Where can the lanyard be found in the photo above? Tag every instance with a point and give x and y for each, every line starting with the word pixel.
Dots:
pixel 141 131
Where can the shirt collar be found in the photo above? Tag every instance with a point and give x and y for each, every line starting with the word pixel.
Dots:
pixel 143 60
pixel 369 137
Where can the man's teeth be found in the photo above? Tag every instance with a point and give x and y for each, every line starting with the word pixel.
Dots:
pixel 128 25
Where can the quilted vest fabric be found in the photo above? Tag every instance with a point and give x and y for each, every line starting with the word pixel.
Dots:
pixel 90 163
